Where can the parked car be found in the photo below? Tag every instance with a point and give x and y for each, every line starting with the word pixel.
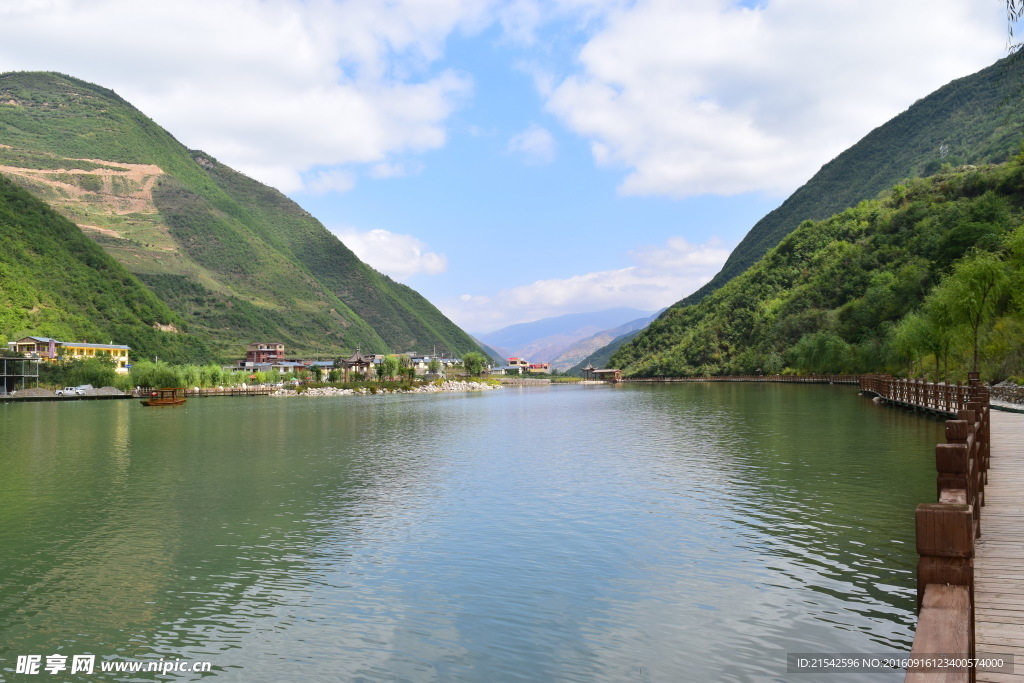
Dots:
pixel 71 391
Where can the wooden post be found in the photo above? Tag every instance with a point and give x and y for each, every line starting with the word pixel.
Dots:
pixel 980 445
pixel 953 463
pixel 945 543
pixel 962 432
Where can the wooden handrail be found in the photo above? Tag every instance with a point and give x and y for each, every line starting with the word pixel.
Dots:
pixel 947 530
pixel 940 398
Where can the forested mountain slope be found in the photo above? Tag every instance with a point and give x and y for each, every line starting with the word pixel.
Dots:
pixel 973 120
pixel 884 286
pixel 237 260
pixel 55 282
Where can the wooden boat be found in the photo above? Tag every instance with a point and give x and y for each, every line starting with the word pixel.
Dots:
pixel 171 396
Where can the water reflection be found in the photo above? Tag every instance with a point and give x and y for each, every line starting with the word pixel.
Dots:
pixel 560 534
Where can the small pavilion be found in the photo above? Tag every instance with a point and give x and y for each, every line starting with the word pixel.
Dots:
pixel 608 375
pixel 590 373
pixel 358 363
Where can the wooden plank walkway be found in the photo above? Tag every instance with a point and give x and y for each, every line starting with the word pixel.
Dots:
pixel 999 553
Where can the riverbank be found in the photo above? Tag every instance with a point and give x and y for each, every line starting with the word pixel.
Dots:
pixel 37 394
pixel 449 386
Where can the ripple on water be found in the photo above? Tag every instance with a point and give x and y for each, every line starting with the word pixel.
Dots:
pixel 563 534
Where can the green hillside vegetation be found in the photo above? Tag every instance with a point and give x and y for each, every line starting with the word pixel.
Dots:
pixel 968 121
pixel 55 282
pixel 889 285
pixel 237 260
pixel 401 316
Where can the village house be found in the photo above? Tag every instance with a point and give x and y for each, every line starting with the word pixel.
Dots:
pixel 521 366
pixel 264 353
pixel 53 350
pixel 267 357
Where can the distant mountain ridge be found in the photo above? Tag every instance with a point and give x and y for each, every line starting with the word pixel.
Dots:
pixel 575 356
pixel 542 341
pixel 237 261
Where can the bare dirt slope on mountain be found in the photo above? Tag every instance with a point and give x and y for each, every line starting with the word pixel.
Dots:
pixel 114 200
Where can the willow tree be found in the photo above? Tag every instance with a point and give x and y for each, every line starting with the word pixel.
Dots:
pixel 1014 13
pixel 970 293
pixel 473 363
pixel 929 331
pixel 388 367
pixel 910 339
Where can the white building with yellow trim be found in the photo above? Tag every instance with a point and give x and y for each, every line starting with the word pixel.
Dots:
pixel 53 350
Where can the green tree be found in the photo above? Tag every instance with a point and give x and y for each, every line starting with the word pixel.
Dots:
pixel 388 367
pixel 911 338
pixel 98 371
pixel 822 352
pixel 970 293
pixel 433 366
pixel 943 332
pixel 473 363
pixel 156 375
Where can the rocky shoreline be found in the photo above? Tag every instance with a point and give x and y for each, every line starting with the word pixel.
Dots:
pixel 449 386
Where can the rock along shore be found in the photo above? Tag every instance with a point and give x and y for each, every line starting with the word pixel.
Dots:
pixel 425 389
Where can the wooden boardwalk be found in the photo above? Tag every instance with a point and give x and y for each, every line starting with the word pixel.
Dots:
pixel 999 552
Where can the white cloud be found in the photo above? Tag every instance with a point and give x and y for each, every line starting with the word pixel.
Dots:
pixel 396 170
pixel 687 96
pixel 521 20
pixel 399 256
pixel 272 88
pixel 535 145
pixel 322 182
pixel 662 275
pixel 705 96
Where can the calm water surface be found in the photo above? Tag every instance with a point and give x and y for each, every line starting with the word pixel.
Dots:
pixel 660 533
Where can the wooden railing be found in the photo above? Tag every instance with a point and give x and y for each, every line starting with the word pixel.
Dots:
pixel 946 531
pixel 940 398
pixel 800 379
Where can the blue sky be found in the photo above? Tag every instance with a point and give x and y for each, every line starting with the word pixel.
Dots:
pixel 519 160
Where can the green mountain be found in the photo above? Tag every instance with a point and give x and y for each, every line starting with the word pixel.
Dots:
pixel 889 284
pixel 237 261
pixel 973 120
pixel 56 282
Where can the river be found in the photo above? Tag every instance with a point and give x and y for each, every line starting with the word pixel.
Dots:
pixel 588 533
